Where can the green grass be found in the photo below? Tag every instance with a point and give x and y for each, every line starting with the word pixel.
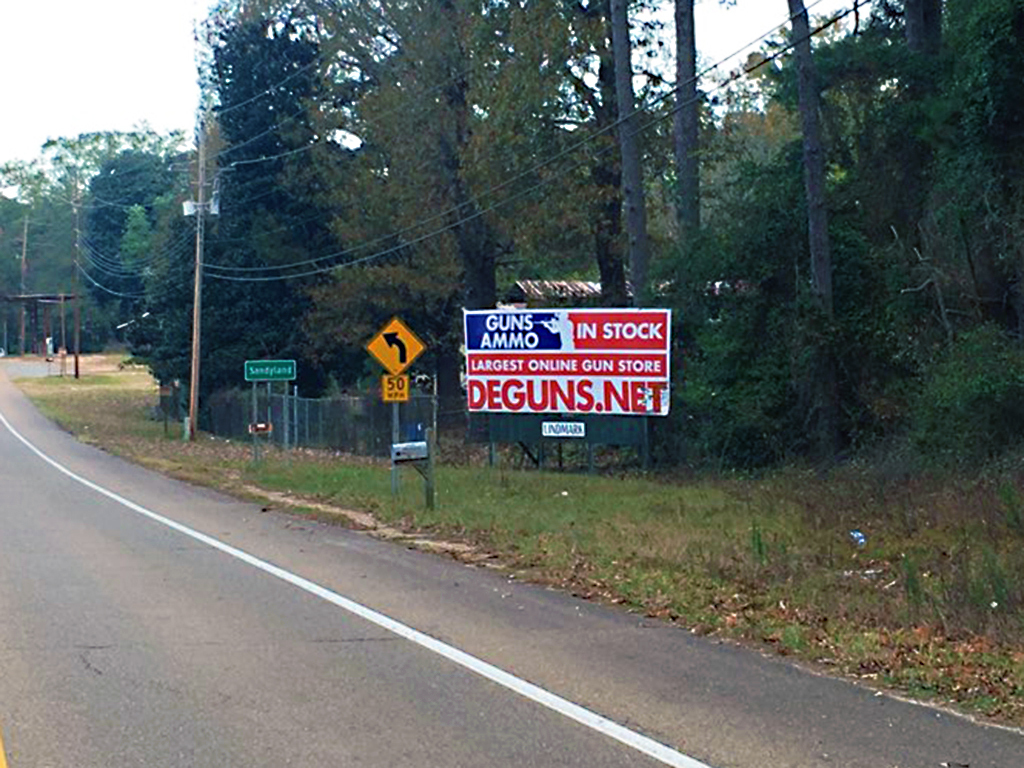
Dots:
pixel 932 604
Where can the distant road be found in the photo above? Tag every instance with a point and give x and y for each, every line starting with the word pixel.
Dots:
pixel 144 622
pixel 31 367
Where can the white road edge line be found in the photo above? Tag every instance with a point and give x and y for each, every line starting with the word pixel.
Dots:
pixel 535 693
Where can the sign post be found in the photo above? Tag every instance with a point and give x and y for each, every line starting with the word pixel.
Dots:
pixel 395 347
pixel 255 440
pixel 268 371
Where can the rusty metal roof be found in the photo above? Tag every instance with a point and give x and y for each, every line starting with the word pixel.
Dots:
pixel 44 298
pixel 538 290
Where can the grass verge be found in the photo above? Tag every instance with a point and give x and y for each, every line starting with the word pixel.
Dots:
pixel 929 602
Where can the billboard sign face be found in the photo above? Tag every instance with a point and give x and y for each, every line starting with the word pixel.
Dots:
pixel 593 361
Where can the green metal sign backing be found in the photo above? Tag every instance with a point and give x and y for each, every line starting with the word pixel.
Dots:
pixel 269 370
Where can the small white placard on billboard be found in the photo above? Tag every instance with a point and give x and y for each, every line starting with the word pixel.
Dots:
pixel 563 429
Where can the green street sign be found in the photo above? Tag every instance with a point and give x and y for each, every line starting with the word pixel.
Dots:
pixel 269 370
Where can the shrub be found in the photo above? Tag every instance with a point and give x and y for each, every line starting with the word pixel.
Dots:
pixel 971 406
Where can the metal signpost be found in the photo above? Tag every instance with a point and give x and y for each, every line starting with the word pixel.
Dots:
pixel 593 369
pixel 395 347
pixel 267 371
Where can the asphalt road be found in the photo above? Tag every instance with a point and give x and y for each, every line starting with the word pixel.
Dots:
pixel 144 622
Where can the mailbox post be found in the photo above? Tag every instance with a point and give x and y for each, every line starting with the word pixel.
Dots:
pixel 268 371
pixel 420 456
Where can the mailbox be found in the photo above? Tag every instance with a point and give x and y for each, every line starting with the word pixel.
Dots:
pixel 416 451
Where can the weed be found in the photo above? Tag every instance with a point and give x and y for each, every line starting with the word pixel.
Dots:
pixel 793 638
pixel 1013 507
pixel 757 546
pixel 995 578
pixel 912 587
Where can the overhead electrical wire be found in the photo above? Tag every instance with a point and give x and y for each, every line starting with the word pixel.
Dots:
pixel 172 247
pixel 106 289
pixel 127 270
pixel 220 111
pixel 394 249
pixel 326 141
pixel 492 190
pixel 596 134
pixel 377 120
pixel 118 269
pixel 182 281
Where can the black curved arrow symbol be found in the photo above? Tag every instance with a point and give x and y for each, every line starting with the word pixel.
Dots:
pixel 392 340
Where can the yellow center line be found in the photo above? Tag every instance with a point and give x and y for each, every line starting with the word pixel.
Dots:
pixel 3 752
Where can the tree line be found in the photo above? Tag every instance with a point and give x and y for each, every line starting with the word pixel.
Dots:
pixel 835 222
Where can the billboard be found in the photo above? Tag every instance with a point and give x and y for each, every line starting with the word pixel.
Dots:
pixel 593 361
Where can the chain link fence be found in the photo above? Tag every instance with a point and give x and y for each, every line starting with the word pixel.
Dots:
pixel 357 424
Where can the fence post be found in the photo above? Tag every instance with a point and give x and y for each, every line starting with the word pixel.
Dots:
pixel 646 445
pixel 295 413
pixel 433 409
pixel 285 415
pixel 255 418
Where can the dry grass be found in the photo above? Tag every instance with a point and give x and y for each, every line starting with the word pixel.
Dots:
pixel 931 604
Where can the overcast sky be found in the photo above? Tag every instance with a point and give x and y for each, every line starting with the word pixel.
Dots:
pixel 77 66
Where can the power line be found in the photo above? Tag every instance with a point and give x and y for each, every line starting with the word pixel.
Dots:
pixel 125 270
pixel 379 119
pixel 104 288
pixel 169 249
pixel 407 244
pixel 219 270
pixel 221 111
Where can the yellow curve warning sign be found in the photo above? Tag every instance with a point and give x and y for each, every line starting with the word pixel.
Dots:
pixel 395 346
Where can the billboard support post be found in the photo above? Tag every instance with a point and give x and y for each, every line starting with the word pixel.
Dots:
pixel 646 447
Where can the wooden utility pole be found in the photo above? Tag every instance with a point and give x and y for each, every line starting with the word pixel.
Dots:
pixel 632 171
pixel 78 280
pixel 78 330
pixel 686 123
pixel 63 337
pixel 24 274
pixel 193 392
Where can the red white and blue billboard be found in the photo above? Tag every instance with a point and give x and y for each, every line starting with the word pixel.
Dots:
pixel 578 361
